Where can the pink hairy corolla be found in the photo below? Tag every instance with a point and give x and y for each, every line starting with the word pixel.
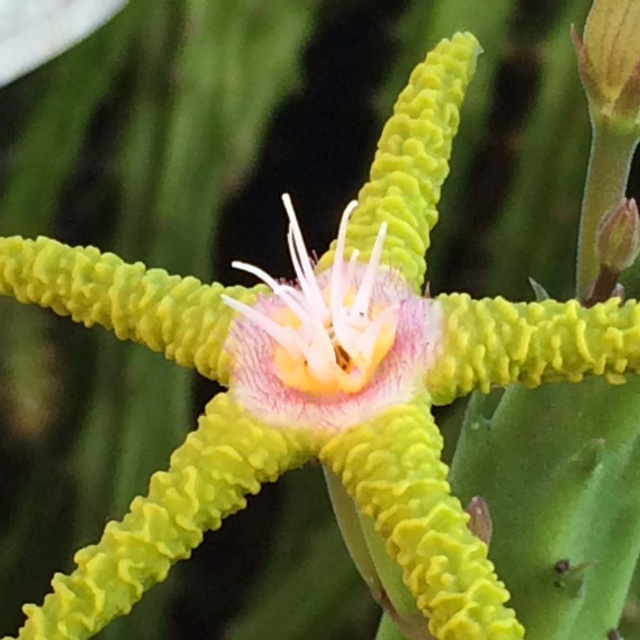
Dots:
pixel 336 347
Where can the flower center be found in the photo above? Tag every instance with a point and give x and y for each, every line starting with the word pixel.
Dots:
pixel 327 339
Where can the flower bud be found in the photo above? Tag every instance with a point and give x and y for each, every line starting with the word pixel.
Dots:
pixel 609 62
pixel 618 237
pixel 480 523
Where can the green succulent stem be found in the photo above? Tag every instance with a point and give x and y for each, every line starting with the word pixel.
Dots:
pixel 388 630
pixel 381 573
pixel 609 165
pixel 583 477
pixel 346 512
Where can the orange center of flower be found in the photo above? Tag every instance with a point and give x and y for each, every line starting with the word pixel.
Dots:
pixel 346 371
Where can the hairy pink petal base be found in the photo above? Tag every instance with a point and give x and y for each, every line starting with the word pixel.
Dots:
pixel 256 385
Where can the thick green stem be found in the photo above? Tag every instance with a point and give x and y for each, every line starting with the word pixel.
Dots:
pixel 388 630
pixel 348 519
pixel 609 164
pixel 382 574
pixel 559 469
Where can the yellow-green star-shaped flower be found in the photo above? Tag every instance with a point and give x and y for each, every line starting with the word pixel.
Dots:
pixel 344 365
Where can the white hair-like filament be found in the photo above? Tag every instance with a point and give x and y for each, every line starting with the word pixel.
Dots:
pixel 327 330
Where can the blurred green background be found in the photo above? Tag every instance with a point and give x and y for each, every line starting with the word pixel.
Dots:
pixel 168 137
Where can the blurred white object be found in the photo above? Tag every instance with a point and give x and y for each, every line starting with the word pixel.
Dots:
pixel 34 31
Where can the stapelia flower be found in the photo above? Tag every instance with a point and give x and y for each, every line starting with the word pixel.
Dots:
pixel 344 365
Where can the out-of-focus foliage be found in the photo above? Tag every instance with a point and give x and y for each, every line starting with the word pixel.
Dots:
pixel 167 137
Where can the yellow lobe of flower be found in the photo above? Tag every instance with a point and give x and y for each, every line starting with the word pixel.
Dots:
pixel 329 339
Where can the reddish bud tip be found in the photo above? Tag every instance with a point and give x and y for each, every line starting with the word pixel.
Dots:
pixel 618 237
pixel 480 523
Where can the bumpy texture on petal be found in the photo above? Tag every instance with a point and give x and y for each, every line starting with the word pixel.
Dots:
pixel 392 467
pixel 495 342
pixel 229 456
pixel 179 316
pixel 412 160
